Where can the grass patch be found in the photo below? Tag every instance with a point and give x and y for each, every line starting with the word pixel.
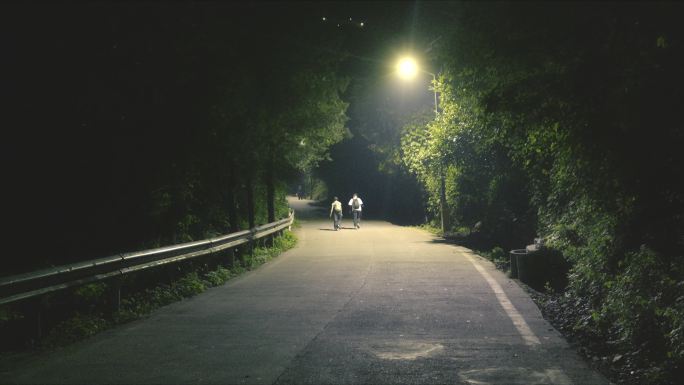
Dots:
pixel 456 233
pixel 261 255
pixel 434 230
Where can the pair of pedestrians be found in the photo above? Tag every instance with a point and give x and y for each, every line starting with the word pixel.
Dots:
pixel 355 205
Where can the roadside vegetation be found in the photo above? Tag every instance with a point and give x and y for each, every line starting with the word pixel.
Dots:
pixel 561 122
pixel 203 134
pixel 90 311
pixel 171 125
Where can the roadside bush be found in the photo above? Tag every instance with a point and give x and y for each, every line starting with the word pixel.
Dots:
pixel 497 254
pixel 218 276
pixel 190 285
pixel 92 292
pixel 76 328
pixel 644 306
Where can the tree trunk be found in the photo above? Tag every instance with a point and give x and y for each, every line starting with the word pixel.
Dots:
pixel 443 205
pixel 250 201
pixel 232 208
pixel 311 186
pixel 270 193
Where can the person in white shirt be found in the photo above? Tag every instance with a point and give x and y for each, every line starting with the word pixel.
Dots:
pixel 356 205
pixel 336 211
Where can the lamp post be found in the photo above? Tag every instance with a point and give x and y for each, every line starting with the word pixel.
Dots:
pixel 407 69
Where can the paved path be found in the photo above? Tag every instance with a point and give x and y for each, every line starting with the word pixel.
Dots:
pixel 379 305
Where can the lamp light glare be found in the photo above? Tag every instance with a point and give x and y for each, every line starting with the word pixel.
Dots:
pixel 407 68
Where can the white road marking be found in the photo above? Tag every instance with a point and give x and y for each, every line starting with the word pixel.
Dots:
pixel 489 376
pixel 518 321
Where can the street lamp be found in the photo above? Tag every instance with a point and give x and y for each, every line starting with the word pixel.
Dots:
pixel 407 69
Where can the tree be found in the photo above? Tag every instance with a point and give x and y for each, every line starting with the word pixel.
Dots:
pixel 161 123
pixel 564 113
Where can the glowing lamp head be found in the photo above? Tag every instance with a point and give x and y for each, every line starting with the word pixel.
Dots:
pixel 407 68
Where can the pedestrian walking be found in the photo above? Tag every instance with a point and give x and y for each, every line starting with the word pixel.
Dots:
pixel 356 206
pixel 336 213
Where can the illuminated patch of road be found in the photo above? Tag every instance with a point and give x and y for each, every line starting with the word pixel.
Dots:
pixel 406 350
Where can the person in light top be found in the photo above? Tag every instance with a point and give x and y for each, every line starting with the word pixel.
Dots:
pixel 356 205
pixel 336 210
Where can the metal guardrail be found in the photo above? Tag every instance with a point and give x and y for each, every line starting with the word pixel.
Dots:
pixel 23 286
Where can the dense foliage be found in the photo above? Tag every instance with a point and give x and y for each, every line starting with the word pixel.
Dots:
pixel 138 125
pixel 562 121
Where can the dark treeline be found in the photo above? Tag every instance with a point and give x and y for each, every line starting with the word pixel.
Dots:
pixel 142 124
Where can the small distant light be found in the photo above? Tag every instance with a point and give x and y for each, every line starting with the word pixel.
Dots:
pixel 338 25
pixel 350 19
pixel 361 24
pixel 323 18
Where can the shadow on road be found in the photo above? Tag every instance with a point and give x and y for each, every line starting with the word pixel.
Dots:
pixel 445 241
pixel 341 228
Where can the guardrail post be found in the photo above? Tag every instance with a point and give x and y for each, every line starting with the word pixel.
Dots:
pixel 232 253
pixel 252 243
pixel 37 309
pixel 115 298
pixel 239 255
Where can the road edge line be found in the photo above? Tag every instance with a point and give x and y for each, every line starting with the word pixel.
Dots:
pixel 519 322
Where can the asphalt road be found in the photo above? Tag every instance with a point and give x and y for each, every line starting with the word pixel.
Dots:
pixel 380 305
